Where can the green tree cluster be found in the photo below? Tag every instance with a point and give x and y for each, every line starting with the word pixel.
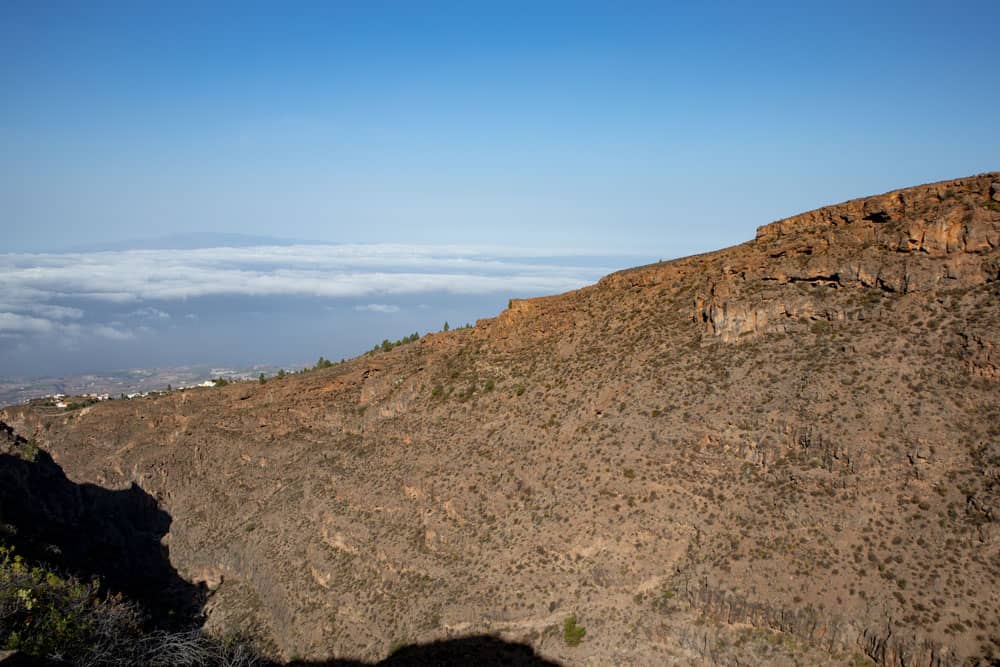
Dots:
pixel 387 344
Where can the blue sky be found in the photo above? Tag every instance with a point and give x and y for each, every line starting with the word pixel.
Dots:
pixel 627 125
pixel 642 130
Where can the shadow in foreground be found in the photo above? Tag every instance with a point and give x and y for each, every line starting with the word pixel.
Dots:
pixel 479 650
pixel 87 530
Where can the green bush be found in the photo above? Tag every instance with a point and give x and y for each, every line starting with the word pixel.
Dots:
pixel 27 451
pixel 43 614
pixel 572 633
pixel 47 615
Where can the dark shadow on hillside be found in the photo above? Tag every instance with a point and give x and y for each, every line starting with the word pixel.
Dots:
pixel 89 531
pixel 479 650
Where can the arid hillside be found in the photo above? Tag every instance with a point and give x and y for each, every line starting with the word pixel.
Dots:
pixel 784 452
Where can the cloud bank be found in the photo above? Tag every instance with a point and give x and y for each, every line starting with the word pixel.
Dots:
pixel 378 308
pixel 324 271
pixel 116 294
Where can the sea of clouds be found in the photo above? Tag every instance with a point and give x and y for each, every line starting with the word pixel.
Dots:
pixel 120 295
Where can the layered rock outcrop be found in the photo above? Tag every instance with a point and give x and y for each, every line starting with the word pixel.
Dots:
pixel 943 236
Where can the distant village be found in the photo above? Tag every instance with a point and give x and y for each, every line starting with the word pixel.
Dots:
pixel 74 392
pixel 76 401
pixel 79 400
pixel 61 400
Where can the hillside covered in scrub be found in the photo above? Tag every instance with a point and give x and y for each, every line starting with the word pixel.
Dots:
pixel 783 452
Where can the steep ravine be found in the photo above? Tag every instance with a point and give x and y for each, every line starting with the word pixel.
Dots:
pixel 785 451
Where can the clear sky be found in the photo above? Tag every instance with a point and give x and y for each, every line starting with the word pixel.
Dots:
pixel 469 152
pixel 603 125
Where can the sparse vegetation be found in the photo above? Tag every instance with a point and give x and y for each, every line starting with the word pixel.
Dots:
pixel 387 345
pixel 573 634
pixel 46 614
pixel 77 405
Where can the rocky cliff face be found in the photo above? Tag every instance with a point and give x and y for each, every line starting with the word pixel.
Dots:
pixel 935 237
pixel 783 452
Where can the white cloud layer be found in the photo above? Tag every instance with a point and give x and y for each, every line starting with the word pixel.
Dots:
pixel 378 308
pixel 19 325
pixel 48 293
pixel 24 323
pixel 313 270
pixel 149 313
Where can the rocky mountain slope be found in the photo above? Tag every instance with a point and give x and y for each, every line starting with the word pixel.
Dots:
pixel 786 451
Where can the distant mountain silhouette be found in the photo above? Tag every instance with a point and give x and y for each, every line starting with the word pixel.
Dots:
pixel 189 241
